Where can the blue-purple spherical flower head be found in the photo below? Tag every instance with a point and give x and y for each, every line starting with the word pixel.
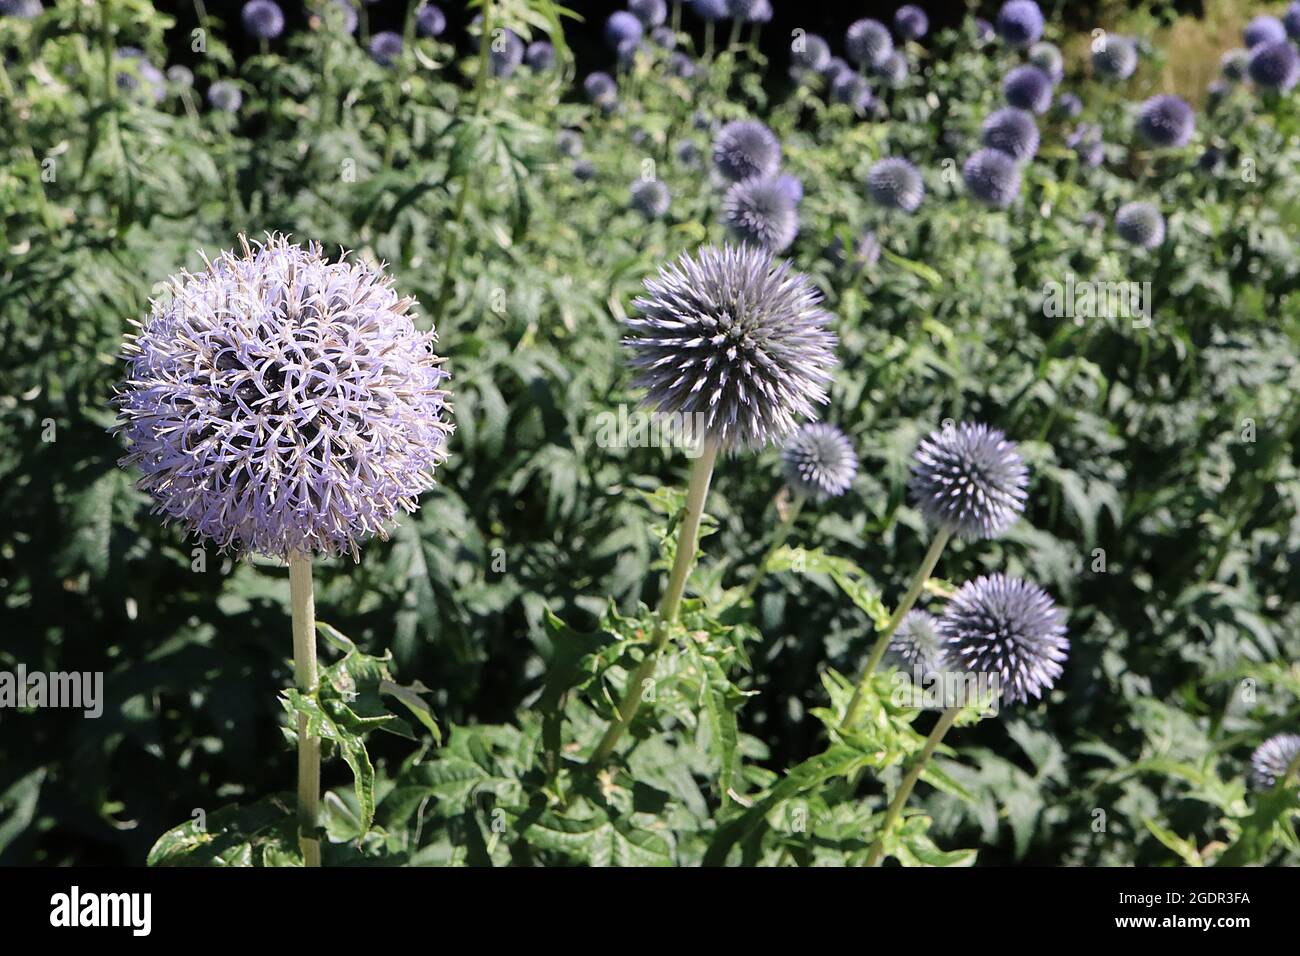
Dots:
pixel 385 47
pixel 540 56
pixel 982 30
pixel 621 27
pixel 1235 65
pixel 1263 29
pixel 711 10
pixel 745 10
pixel 1114 57
pixel 818 461
pixel 21 9
pixel 568 142
pixel 664 38
pixel 792 185
pixel 736 337
pixel 1275 66
pixel 146 78
pixel 1140 224
pixel 688 153
pixel 1166 120
pixel 1020 22
pixel 262 19
pixel 278 403
pixel 867 42
pixel 835 68
pixel 1047 57
pixel 851 90
pixel 584 170
pixel 746 148
pixel 651 13
pixel 761 211
pixel 761 12
pixel 681 65
pixel 893 69
pixel 809 52
pixel 600 88
pixel 910 22
pixel 1291 20
pixel 1271 760
pixel 1028 88
pixel 969 480
pixel 1013 131
pixel 650 198
pixel 505 53
pixel 180 77
pixel 915 646
pixel 895 183
pixel 992 177
pixel 225 96
pixel 430 21
pixel 1009 628
pixel 1068 105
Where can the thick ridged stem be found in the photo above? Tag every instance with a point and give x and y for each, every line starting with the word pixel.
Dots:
pixel 303 605
pixel 909 781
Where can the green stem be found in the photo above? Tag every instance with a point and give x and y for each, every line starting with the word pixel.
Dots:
pixel 778 539
pixel 708 40
pixel 669 605
pixel 734 38
pixel 303 604
pixel 909 781
pixel 882 642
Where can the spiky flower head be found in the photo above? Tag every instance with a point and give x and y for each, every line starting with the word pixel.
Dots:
pixel 1020 22
pixel 892 69
pixel 915 646
pixel 1047 57
pixel 745 10
pixel 1271 760
pixel 262 19
pixel 279 403
pixel 505 53
pixel 180 77
pixel 819 462
pixel 1263 29
pixel 21 9
pixel 1291 20
pixel 895 184
pixel 540 56
pixel 809 53
pixel 1275 66
pixel 1114 57
pixel 650 198
pixel 688 153
pixel 792 185
pixel 621 27
pixel 430 21
pixel 762 12
pixel 1008 627
pixel 762 212
pixel 710 10
pixel 992 177
pixel 731 335
pixel 569 142
pixel 225 96
pixel 1085 140
pixel 141 75
pixel 681 65
pixel 1234 65
pixel 746 148
pixel 663 37
pixel 1166 120
pixel 1068 106
pixel 970 480
pixel 385 47
pixel 1012 131
pixel 584 170
pixel 851 90
pixel 1028 88
pixel 600 88
pixel 867 42
pixel 651 13
pixel 910 22
pixel 982 31
pixel 1141 224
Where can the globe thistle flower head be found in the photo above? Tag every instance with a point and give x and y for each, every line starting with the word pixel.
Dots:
pixel 1028 88
pixel 915 646
pixel 1047 57
pixel 893 69
pixel 710 10
pixel 1275 66
pixel 910 22
pixel 1271 760
pixel 970 480
pixel 584 170
pixel 746 11
pixel 180 77
pixel 1012 131
pixel 262 19
pixel 385 47
pixel 761 12
pixel 1291 20
pixel 818 462
pixel 600 88
pixel 505 53
pixel 430 21
pixel 982 31
pixel 650 198
pixel 651 13
pixel 895 183
pixel 1140 224
pixel 1211 160
pixel 278 403
pixel 867 42
pixel 338 13
pixel 1234 65
pixel 540 56
pixel 225 96
pixel 688 153
pixel 1114 57
pixel 1009 628
pixel 744 149
pixel 21 9
pixel 681 65
pixel 1020 23
pixel 792 185
pixel 992 177
pixel 621 27
pixel 761 211
pixel 1263 29
pixel 1068 106
pixel 142 76
pixel 851 90
pixel 1166 120
pixel 809 53
pixel 735 337
pixel 835 68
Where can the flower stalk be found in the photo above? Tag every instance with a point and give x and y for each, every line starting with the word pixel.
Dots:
pixel 778 539
pixel 303 604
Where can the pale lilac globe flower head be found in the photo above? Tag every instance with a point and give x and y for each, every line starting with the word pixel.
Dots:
pixel 540 56
pixel 969 480
pixel 1020 23
pixel 650 198
pixel 1140 224
pixel 262 19
pixel 818 462
pixel 744 149
pixel 1271 760
pixel 982 31
pixel 1114 57
pixel 835 68
pixel 735 337
pixel 792 185
pixel 1166 120
pixel 1275 66
pixel 809 53
pixel 569 142
pixel 505 53
pixel 664 38
pixel 225 96
pixel 651 13
pixel 143 77
pixel 1047 57
pixel 1028 88
pixel 584 170
pixel 893 69
pixel 710 10
pixel 180 77
pixel 853 91
pixel 621 27
pixel 761 212
pixel 915 646
pixel 992 177
pixel 385 47
pixel 600 88
pixel 895 183
pixel 910 22
pixel 21 9
pixel 277 403
pixel 681 65
pixel 746 11
pixel 868 42
pixel 688 153
pixel 1263 29
pixel 1007 628
pixel 430 21
pixel 1291 20
pixel 1234 65
pixel 1012 131
pixel 1068 106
